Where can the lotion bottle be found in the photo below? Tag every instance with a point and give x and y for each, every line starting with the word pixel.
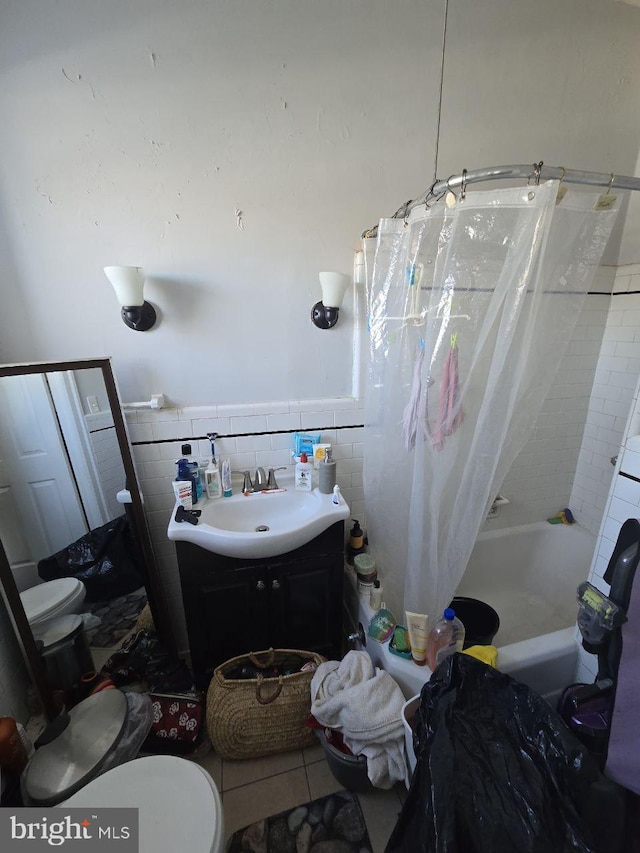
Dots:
pixel 304 474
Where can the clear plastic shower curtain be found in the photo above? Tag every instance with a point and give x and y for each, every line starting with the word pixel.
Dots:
pixel 470 311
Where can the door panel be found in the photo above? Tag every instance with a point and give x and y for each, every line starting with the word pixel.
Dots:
pixel 36 469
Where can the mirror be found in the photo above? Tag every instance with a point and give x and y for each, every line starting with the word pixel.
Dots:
pixel 65 470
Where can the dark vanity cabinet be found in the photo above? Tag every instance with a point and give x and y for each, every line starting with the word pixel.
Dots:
pixel 235 606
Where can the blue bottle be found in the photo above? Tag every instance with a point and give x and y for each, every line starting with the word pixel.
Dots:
pixel 193 467
pixel 185 472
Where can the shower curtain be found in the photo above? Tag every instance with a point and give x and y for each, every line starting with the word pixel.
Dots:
pixel 470 311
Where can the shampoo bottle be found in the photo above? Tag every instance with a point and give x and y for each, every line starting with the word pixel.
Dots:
pixel 375 596
pixel 304 474
pixel 326 473
pixel 445 638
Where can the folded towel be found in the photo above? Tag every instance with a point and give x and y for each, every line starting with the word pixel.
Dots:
pixel 365 704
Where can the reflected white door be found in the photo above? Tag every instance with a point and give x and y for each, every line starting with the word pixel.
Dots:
pixel 36 481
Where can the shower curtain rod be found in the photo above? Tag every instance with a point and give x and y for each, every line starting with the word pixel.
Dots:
pixel 536 173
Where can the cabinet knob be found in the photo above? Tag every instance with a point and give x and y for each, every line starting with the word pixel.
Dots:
pixel 275 584
pixel 260 586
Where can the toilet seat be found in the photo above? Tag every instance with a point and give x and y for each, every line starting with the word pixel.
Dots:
pixel 52 598
pixel 179 804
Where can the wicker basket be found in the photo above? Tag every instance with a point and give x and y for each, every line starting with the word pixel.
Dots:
pixel 250 717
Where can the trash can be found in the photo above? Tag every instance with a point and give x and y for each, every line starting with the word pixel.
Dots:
pixel 349 770
pixel 65 652
pixel 480 620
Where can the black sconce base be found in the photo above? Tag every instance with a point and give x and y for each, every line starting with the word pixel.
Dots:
pixel 140 318
pixel 323 317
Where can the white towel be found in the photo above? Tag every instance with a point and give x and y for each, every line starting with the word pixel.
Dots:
pixel 365 704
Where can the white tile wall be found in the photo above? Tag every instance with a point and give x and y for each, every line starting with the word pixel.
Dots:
pixel 540 481
pixel 610 402
pixel 252 435
pixel 106 452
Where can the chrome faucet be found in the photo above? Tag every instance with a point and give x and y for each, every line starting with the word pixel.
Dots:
pixel 262 482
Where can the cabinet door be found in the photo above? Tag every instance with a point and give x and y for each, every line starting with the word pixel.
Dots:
pixel 306 605
pixel 227 615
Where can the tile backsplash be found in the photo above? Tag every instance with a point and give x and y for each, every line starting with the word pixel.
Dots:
pixel 250 436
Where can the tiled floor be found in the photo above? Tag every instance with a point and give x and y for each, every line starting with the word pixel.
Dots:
pixel 255 789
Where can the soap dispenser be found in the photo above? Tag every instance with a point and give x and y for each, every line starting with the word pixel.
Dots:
pixel 326 473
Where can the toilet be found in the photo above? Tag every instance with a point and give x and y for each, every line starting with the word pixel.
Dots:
pixel 179 805
pixel 47 601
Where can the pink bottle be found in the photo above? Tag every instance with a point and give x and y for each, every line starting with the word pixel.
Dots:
pixel 445 638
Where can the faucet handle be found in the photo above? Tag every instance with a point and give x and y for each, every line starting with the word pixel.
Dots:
pixel 247 485
pixel 272 484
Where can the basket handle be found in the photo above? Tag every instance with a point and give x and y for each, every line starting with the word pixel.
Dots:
pixel 263 665
pixel 268 699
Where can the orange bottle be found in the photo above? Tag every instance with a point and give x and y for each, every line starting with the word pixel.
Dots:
pixel 13 756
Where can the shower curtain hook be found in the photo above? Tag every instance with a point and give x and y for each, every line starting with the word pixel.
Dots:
pixel 562 177
pixel 535 176
pixel 611 180
pixel 463 186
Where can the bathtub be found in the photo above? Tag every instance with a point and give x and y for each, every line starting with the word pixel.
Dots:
pixel 529 575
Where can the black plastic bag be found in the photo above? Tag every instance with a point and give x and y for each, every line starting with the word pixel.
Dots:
pixel 105 560
pixel 499 772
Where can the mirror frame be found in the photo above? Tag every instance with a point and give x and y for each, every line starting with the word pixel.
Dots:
pixel 8 586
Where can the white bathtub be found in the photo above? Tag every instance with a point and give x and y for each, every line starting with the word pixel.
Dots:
pixel 529 575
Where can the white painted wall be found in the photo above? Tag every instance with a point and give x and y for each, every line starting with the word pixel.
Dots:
pixel 133 133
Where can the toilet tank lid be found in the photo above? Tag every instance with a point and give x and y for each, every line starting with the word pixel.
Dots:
pixel 179 805
pixel 44 597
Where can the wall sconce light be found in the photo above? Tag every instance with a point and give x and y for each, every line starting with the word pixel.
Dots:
pixel 128 283
pixel 324 314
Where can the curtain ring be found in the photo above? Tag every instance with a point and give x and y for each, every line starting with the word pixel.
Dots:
pixel 611 180
pixel 463 185
pixel 562 177
pixel 537 170
pixel 535 176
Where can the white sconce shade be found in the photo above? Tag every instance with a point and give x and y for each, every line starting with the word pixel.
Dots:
pixel 324 314
pixel 333 286
pixel 128 283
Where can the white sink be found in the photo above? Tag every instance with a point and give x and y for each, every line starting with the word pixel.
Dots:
pixel 263 524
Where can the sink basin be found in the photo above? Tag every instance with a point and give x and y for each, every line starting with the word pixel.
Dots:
pixel 258 525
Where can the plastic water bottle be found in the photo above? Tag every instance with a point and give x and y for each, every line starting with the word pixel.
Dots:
pixel 445 638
